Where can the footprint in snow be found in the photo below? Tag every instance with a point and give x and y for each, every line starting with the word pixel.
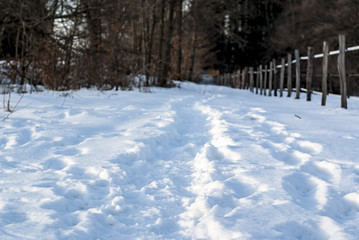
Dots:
pixel 343 207
pixel 213 153
pixel 68 152
pixel 10 214
pixel 18 138
pixel 232 189
pixel 300 230
pixel 327 171
pixel 306 190
pixel 54 164
pixel 240 188
pixel 283 152
pixel 68 203
pixel 310 147
pixel 75 172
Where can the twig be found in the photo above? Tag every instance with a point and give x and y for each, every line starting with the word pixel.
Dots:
pixel 65 96
pixel 11 111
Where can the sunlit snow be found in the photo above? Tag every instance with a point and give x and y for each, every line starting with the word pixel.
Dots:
pixel 192 162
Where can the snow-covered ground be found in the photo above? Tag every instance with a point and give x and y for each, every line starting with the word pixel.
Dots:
pixel 195 162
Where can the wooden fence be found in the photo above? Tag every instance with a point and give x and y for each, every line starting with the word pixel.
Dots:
pixel 267 81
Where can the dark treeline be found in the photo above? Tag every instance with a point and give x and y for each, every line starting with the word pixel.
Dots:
pixel 67 44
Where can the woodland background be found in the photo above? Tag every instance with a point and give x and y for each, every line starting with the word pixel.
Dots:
pixel 68 44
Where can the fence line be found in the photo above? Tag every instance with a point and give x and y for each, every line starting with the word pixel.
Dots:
pixel 239 79
pixel 320 55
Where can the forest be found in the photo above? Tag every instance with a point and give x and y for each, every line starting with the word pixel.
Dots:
pixel 68 44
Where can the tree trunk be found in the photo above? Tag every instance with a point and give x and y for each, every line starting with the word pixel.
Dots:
pixel 167 59
pixel 160 48
pixel 150 44
pixel 193 56
pixel 180 32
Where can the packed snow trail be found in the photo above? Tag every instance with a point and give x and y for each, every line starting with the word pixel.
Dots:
pixel 195 162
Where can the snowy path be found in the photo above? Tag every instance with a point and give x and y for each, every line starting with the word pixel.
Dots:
pixel 196 162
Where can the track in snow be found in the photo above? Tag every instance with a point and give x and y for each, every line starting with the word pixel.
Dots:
pixel 190 163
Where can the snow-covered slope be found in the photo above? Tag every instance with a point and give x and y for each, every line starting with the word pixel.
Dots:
pixel 195 162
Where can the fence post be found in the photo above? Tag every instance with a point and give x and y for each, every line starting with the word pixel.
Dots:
pixel 261 79
pixel 341 70
pixel 257 80
pixel 289 77
pixel 251 80
pixel 244 74
pixel 265 80
pixel 309 73
pixel 281 83
pixel 297 74
pixel 325 72
pixel 270 79
pixel 275 80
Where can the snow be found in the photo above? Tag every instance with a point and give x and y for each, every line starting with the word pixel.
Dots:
pixel 194 162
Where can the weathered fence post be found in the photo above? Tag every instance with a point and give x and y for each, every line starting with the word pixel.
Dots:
pixel 325 72
pixel 281 83
pixel 297 74
pixel 261 79
pixel 244 75
pixel 265 80
pixel 341 70
pixel 257 80
pixel 309 73
pixel 270 79
pixel 289 76
pixel 275 80
pixel 251 79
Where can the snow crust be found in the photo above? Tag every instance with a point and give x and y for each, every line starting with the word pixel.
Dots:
pixel 195 162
